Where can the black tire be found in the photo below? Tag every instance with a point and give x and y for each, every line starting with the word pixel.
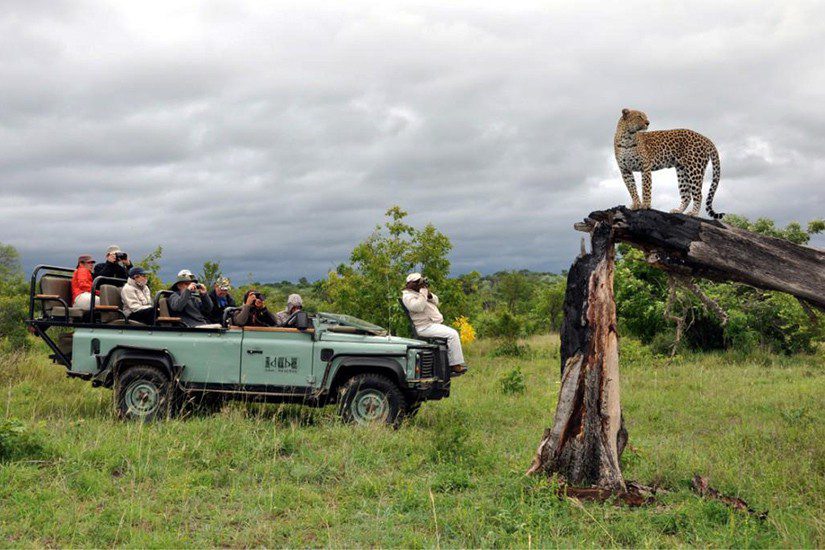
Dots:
pixel 372 398
pixel 144 393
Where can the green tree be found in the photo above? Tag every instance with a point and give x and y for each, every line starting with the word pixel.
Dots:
pixel 210 274
pixel 151 263
pixel 370 285
pixel 515 289
pixel 757 318
pixel 13 300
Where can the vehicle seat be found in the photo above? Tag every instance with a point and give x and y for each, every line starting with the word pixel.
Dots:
pixel 431 339
pixel 164 316
pixel 227 315
pixel 56 297
pixel 111 305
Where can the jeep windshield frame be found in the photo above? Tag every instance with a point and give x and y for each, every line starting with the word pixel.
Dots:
pixel 350 321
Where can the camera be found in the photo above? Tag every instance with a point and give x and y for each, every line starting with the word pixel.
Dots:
pixel 120 256
pixel 425 281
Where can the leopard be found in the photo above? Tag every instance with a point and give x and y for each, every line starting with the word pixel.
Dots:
pixel 638 150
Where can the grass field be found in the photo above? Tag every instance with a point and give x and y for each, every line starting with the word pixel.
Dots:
pixel 291 476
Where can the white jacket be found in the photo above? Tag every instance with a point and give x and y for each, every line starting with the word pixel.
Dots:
pixel 135 297
pixel 424 311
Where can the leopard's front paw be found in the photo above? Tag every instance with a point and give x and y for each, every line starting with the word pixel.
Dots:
pixel 645 206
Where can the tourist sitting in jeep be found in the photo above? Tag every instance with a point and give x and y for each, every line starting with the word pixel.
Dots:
pixel 190 301
pixel 294 304
pixel 137 298
pixel 82 282
pixel 253 313
pixel 221 299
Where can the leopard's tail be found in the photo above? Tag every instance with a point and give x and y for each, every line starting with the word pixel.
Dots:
pixel 714 159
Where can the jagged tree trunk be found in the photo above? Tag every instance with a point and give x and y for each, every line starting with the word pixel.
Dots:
pixel 587 437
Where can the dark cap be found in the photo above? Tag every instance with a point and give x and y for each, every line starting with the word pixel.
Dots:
pixel 84 258
pixel 136 271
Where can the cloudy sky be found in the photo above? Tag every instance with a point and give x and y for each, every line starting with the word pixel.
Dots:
pixel 273 136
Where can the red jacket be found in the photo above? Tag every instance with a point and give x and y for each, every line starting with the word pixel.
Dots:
pixel 81 282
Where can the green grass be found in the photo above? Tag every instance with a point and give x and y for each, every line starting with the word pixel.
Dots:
pixel 290 476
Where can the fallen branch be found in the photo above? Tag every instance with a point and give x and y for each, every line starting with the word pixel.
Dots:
pixel 701 485
pixel 636 494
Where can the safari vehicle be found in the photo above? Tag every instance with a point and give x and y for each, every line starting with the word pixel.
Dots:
pixel 372 376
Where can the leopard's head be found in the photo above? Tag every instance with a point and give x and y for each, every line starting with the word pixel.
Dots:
pixel 634 121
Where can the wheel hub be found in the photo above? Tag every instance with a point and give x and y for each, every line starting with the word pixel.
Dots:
pixel 370 406
pixel 142 397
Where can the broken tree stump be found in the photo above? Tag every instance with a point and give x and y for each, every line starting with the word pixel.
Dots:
pixel 587 438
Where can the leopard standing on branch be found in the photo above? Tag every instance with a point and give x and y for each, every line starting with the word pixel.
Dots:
pixel 638 150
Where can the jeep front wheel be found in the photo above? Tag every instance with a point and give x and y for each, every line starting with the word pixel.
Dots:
pixel 143 393
pixel 372 399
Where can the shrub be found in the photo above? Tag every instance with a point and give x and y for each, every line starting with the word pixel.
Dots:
pixel 16 441
pixel 512 382
pixel 465 330
pixel 511 348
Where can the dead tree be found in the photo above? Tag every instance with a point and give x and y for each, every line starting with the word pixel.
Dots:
pixel 587 437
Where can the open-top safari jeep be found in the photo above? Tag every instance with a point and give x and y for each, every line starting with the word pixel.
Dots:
pixel 153 368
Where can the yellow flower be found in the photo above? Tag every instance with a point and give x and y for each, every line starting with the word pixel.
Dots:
pixel 465 330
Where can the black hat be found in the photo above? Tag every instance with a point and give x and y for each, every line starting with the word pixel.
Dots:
pixel 137 271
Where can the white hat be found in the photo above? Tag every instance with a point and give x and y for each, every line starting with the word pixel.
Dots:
pixel 184 273
pixel 112 249
pixel 413 277
pixel 294 300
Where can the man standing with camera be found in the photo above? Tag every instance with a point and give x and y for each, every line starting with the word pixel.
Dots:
pixel 428 321
pixel 190 301
pixel 117 265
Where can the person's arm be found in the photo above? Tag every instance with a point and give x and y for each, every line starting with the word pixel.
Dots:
pixel 241 317
pixel 415 302
pixel 178 300
pixel 433 298
pixel 206 303
pixel 266 316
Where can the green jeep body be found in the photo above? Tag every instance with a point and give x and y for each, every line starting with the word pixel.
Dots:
pixel 335 359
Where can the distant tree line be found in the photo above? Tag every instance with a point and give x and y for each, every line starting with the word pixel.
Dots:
pixel 506 304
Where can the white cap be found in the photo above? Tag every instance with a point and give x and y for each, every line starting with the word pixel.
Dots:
pixel 184 273
pixel 413 277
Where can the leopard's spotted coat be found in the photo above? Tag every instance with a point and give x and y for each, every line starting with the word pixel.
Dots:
pixel 638 150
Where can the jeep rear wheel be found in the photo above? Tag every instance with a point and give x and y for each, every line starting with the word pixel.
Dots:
pixel 143 393
pixel 372 399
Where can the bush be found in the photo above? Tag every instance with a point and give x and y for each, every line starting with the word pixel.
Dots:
pixel 513 382
pixel 16 441
pixel 511 348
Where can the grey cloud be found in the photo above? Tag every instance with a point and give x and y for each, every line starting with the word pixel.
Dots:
pixel 273 136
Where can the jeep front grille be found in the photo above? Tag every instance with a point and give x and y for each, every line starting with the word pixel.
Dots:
pixel 426 364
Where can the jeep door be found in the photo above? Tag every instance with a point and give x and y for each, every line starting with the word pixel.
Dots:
pixel 276 359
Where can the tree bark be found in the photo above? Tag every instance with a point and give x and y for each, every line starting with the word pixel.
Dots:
pixel 587 436
pixel 713 250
